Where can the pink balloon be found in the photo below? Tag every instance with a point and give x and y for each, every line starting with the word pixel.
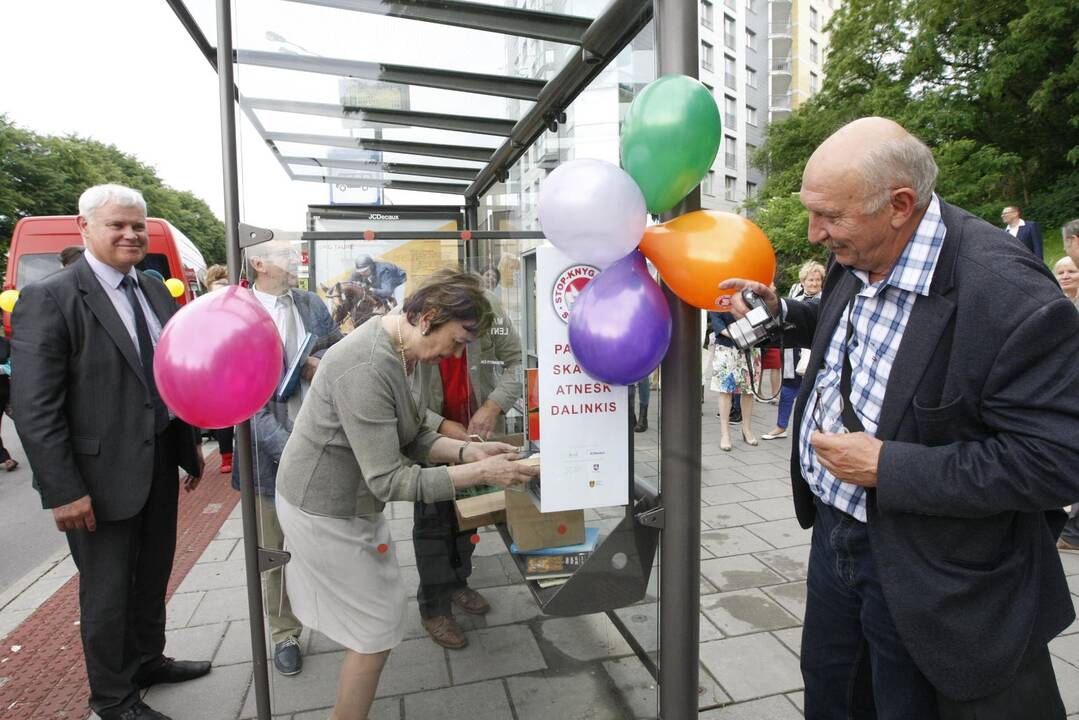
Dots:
pixel 219 359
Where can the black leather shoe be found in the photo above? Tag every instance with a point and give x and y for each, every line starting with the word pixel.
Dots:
pixel 642 424
pixel 287 658
pixel 173 671
pixel 138 711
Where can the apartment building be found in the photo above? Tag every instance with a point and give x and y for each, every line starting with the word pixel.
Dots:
pixel 759 58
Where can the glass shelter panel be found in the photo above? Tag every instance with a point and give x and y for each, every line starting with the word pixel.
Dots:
pixel 380 123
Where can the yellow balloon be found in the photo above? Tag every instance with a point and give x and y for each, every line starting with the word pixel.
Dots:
pixel 176 287
pixel 7 300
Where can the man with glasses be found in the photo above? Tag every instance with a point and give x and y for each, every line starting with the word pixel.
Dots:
pixel 935 446
pixel 1025 231
pixel 272 267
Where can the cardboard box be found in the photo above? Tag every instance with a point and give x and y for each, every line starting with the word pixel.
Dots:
pixel 479 510
pixel 533 530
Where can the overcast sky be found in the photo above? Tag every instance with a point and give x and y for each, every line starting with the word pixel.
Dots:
pixel 125 72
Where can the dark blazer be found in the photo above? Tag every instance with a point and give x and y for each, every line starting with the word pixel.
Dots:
pixel 1031 236
pixel 980 425
pixel 84 412
pixel 270 427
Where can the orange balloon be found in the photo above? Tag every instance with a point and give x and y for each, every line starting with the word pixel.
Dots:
pixel 697 251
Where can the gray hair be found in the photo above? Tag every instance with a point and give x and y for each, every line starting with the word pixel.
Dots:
pixel 809 268
pixel 1071 229
pixel 895 163
pixel 99 196
pixel 1061 261
pixel 264 251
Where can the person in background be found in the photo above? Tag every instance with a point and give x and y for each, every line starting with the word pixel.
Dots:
pixel 730 377
pixel 467 399
pixel 272 266
pixel 360 442
pixel 70 254
pixel 1025 231
pixel 734 417
pixel 1071 240
pixel 772 361
pixel 807 289
pixel 492 279
pixel 104 448
pixel 217 277
pixel 643 391
pixel 6 461
pixel 1068 277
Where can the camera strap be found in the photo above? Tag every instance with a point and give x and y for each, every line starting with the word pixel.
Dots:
pixel 851 421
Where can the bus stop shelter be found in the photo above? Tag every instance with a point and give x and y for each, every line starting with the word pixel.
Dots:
pixel 430 126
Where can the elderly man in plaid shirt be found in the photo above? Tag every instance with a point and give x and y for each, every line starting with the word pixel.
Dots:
pixel 934 446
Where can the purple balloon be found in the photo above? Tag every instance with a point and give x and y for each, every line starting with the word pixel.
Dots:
pixel 620 324
pixel 219 359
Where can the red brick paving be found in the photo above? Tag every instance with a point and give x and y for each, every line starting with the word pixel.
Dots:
pixel 45 678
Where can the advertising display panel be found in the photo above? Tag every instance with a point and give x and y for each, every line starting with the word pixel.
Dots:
pixel 584 453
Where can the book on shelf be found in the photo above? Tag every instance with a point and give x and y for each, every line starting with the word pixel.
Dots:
pixel 543 567
pixel 591 539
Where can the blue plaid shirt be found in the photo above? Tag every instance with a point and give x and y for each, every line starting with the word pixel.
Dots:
pixel 879 314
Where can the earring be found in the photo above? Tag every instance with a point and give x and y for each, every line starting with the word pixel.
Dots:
pixel 425 331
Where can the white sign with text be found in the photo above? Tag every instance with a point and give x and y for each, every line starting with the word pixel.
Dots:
pixel 584 423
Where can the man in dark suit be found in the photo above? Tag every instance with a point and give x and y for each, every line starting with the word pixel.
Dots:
pixel 934 445
pixel 104 448
pixel 1025 231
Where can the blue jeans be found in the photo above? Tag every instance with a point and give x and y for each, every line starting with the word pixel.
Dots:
pixel 853 661
pixel 644 393
pixel 788 393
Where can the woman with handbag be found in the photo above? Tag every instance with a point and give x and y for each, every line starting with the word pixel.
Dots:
pixel 795 360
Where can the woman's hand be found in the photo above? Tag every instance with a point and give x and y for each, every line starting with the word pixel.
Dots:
pixel 504 471
pixel 477 451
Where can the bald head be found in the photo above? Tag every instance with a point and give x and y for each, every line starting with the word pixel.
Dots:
pixel 877 155
pixel 866 189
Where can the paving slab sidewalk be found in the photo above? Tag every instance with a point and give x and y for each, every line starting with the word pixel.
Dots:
pixel 524 665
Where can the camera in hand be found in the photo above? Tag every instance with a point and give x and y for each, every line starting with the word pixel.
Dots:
pixel 757 326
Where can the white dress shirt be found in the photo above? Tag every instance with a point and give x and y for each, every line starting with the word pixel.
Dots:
pixel 1014 231
pixel 110 278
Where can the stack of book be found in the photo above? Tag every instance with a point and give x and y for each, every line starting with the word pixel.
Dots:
pixel 548 567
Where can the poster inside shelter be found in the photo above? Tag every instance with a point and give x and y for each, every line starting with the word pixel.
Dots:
pixel 584 454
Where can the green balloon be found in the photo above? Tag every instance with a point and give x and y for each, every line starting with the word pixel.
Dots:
pixel 669 139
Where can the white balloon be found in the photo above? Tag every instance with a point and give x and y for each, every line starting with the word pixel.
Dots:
pixel 592 210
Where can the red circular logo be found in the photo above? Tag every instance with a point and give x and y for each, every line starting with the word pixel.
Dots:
pixel 568 286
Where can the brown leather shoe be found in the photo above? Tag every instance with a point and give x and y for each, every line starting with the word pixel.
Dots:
pixel 1063 544
pixel 445 631
pixel 471 601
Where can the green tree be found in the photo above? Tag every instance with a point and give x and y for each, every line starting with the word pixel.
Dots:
pixel 44 175
pixel 992 86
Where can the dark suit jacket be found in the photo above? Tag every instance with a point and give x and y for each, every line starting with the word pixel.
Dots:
pixel 84 412
pixel 980 425
pixel 270 427
pixel 1031 236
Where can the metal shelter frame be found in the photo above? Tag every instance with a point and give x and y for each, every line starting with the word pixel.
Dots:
pixel 599 40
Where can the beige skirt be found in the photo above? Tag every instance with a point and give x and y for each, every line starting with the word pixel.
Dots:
pixel 338 581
